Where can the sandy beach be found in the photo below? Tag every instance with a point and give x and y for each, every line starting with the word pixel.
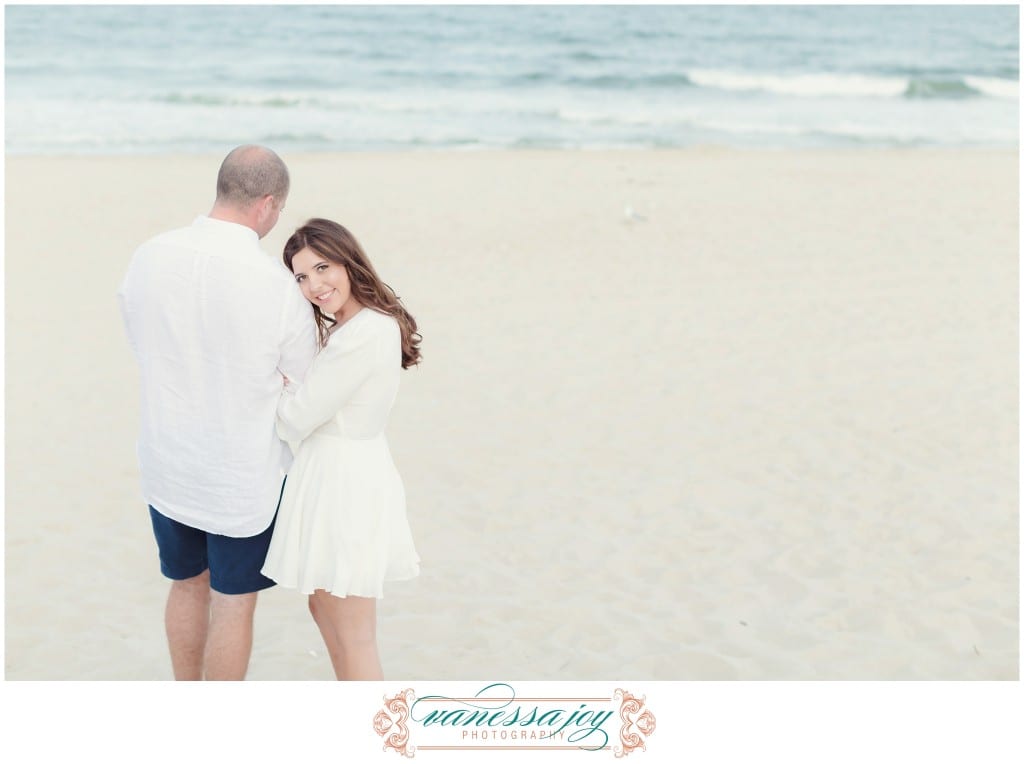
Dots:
pixel 694 414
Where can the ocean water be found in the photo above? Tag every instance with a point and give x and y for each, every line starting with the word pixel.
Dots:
pixel 160 79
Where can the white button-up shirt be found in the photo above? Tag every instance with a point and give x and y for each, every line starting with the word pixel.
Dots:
pixel 213 322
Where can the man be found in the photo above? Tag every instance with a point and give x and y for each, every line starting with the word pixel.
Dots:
pixel 214 323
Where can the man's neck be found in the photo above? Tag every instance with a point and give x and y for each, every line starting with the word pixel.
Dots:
pixel 232 215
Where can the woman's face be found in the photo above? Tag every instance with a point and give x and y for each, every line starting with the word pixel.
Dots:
pixel 323 283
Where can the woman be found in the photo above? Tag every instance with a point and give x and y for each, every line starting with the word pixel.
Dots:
pixel 341 529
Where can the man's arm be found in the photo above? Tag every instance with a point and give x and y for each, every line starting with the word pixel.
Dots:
pixel 298 342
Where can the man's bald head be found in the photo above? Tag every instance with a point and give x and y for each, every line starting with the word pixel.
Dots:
pixel 250 173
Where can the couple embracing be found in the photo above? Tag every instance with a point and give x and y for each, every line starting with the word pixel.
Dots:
pixel 251 369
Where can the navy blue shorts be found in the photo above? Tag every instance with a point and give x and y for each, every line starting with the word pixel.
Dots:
pixel 234 563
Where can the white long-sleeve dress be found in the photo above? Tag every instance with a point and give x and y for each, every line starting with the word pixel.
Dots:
pixel 342 523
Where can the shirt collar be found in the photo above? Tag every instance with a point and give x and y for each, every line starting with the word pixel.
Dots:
pixel 227 228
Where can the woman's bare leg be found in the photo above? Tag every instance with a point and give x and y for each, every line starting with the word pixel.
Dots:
pixel 349 628
pixel 326 631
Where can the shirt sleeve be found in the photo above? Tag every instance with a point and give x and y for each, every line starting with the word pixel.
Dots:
pixel 334 376
pixel 298 343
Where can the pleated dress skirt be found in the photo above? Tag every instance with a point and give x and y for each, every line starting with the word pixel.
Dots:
pixel 342 524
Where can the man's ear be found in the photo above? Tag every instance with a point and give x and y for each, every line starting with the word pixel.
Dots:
pixel 266 207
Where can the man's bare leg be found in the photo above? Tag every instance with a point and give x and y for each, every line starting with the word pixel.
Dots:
pixel 229 643
pixel 186 620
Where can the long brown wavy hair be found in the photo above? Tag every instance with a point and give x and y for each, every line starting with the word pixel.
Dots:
pixel 336 243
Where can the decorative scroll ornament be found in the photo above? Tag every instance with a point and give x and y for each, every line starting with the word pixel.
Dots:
pixel 390 723
pixel 637 723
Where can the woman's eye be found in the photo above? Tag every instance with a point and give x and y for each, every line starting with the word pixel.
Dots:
pixel 322 266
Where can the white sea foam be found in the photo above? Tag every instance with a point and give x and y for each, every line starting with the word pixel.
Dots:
pixel 851 85
pixel 997 88
pixel 808 85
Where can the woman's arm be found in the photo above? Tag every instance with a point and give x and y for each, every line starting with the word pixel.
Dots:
pixel 336 374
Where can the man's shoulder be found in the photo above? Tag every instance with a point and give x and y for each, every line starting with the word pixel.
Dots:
pixel 204 241
pixel 208 241
pixel 173 237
